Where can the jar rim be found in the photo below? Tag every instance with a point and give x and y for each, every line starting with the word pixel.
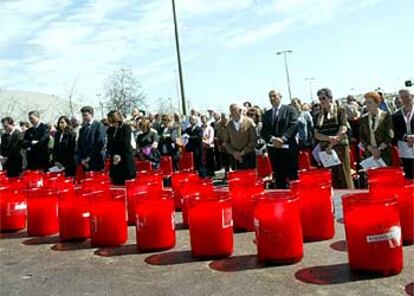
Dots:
pixel 276 196
pixel 366 199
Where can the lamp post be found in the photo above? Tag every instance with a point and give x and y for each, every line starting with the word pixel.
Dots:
pixel 180 70
pixel 310 79
pixel 284 52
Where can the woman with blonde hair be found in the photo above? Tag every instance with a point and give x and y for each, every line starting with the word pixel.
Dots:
pixel 147 143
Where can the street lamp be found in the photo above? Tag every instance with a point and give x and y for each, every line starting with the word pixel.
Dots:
pixel 180 70
pixel 310 79
pixel 284 52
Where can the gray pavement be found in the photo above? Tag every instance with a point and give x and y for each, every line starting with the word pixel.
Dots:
pixel 43 266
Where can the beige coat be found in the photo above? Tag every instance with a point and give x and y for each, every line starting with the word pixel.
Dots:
pixel 244 140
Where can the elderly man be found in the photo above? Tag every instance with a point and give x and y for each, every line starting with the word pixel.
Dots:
pixel 403 124
pixel 240 140
pixel 280 126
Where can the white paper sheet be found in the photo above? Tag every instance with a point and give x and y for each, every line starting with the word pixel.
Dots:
pixel 370 163
pixel 329 160
pixel 405 150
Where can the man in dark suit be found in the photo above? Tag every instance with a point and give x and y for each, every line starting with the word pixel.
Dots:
pixel 91 142
pixel 195 145
pixel 35 141
pixel 280 126
pixel 11 142
pixel 403 125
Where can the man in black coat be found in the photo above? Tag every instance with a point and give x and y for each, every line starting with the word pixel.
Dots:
pixel 195 145
pixel 280 126
pixel 35 141
pixel 11 142
pixel 90 151
pixel 403 125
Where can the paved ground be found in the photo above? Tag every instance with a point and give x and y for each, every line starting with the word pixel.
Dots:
pixel 43 266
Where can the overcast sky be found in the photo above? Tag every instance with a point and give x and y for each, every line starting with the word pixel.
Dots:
pixel 228 47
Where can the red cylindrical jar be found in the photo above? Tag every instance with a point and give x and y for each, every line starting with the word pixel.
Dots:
pixel 107 220
pixel 278 228
pixel 73 216
pixel 211 226
pixel 12 209
pixel 155 221
pixel 373 234
pixel 42 212
pixel 316 206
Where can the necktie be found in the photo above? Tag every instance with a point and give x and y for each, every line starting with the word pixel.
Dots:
pixel 373 122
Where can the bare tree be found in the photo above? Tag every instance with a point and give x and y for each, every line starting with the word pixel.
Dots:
pixel 123 91
pixel 72 94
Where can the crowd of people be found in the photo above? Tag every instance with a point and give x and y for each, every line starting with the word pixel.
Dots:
pixel 354 130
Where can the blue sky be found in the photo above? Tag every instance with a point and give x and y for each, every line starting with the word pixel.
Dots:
pixel 228 47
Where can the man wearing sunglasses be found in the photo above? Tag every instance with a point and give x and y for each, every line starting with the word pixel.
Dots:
pixel 280 126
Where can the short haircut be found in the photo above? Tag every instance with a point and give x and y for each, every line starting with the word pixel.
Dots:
pixel 374 96
pixel 325 92
pixel 34 113
pixel 24 123
pixel 87 109
pixel 115 115
pixel 8 120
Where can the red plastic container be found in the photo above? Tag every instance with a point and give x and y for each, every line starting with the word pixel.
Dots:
pixel 405 196
pixel 315 198
pixel 33 179
pixel 242 192
pixel 211 226
pixel 155 218
pixel 91 185
pixel 101 176
pixel 201 187
pixel 107 220
pixel 186 161
pixel 166 165
pixel 304 160
pixel 264 166
pixel 138 187
pixel 385 180
pixel 12 210
pixel 278 228
pixel 42 212
pixel 243 175
pixel 373 234
pixel 142 166
pixel 73 216
pixel 178 181
pixel 59 183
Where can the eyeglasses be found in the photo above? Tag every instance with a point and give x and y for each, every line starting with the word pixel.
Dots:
pixel 323 98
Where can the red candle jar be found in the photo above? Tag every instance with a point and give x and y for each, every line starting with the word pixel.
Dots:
pixel 92 185
pixel 278 228
pixel 12 210
pixel 211 226
pixel 405 196
pixel 141 185
pixel 59 183
pixel 186 161
pixel 373 234
pixel 3 178
pixel 316 206
pixel 33 179
pixel 242 192
pixel 384 181
pixel 178 181
pixel 101 176
pixel 142 166
pixel 73 216
pixel 15 184
pixel 155 219
pixel 107 220
pixel 202 187
pixel 166 165
pixel 42 212
pixel 243 175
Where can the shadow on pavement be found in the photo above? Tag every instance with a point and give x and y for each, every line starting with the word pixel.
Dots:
pixel 171 258
pixel 71 246
pixel 41 240
pixel 409 289
pixel 238 263
pixel 330 275
pixel 339 246
pixel 117 251
pixel 13 235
